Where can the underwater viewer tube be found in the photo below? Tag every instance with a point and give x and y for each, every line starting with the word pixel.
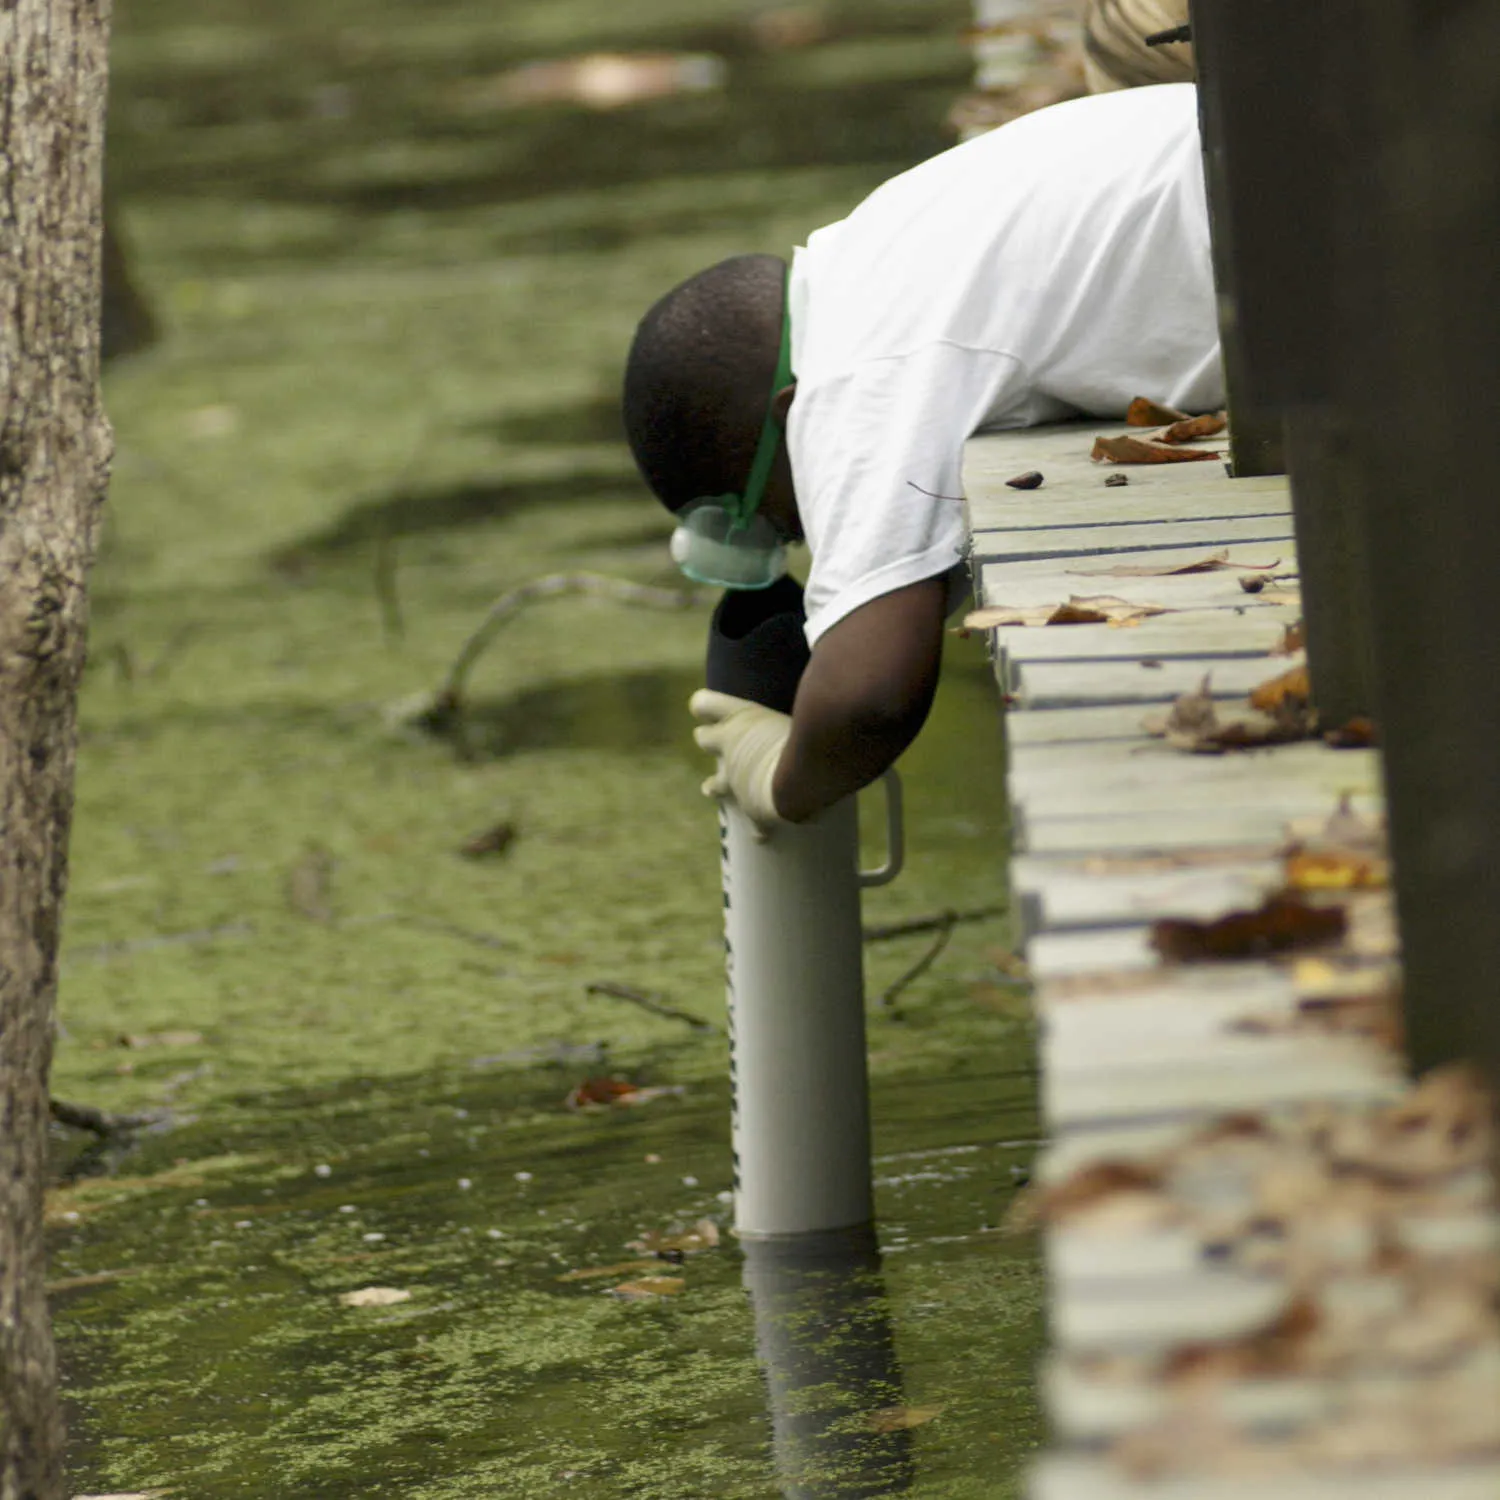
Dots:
pixel 800 1124
pixel 824 1339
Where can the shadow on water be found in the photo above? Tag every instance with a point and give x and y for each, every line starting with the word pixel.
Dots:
pixel 498 1361
pixel 460 508
pixel 312 122
pixel 625 711
pixel 571 424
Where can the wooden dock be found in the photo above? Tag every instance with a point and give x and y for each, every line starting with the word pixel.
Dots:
pixel 1273 1260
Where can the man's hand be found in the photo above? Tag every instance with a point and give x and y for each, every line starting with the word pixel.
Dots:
pixel 748 739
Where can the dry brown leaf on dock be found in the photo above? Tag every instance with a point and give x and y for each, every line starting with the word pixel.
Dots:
pixel 1211 424
pixel 1212 563
pixel 1335 870
pixel 1293 639
pixel 1359 733
pixel 1077 609
pixel 1129 450
pixel 1291 690
pixel 1283 923
pixel 1143 412
pixel 1193 723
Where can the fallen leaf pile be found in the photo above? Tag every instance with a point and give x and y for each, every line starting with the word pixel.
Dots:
pixel 1281 924
pixel 1375 1222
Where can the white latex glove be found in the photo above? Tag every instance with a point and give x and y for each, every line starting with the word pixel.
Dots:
pixel 748 739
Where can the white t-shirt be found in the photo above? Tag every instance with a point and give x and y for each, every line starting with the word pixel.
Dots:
pixel 1056 266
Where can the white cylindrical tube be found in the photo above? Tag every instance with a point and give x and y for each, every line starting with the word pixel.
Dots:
pixel 801 1126
pixel 824 1340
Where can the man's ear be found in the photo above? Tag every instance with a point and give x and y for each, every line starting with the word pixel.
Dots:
pixel 781 402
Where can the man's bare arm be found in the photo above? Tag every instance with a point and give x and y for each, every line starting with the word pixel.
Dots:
pixel 863 698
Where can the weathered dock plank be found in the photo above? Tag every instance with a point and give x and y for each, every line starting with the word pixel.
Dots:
pixel 1174 1078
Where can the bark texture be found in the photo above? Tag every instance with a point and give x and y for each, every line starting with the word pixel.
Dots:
pixel 54 462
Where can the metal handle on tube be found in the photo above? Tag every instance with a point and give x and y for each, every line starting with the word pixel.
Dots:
pixel 895 837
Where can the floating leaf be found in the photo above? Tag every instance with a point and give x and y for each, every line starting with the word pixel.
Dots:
pixel 704 1235
pixel 593 1273
pixel 1143 412
pixel 1031 480
pixel 1211 424
pixel 604 1093
pixel 374 1296
pixel 648 1286
pixel 1129 450
pixel 600 1091
pixel 491 841
pixel 162 1039
pixel 309 886
pixel 596 80
pixel 899 1418
pixel 1284 922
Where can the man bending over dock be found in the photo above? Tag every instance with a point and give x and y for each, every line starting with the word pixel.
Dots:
pixel 1057 266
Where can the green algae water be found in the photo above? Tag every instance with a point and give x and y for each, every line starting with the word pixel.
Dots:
pixel 393 328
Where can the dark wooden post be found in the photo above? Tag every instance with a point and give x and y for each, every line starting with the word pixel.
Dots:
pixel 1282 112
pixel 1426 390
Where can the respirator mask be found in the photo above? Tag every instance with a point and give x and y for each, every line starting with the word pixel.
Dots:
pixel 723 540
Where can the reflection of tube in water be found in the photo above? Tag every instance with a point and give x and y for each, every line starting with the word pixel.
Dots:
pixel 823 1336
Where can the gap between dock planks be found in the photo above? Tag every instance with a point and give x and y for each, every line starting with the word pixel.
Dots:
pixel 1115 830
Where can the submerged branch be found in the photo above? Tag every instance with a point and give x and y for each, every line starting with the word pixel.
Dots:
pixel 945 931
pixel 449 700
pixel 97 1121
pixel 647 1001
pixel 942 921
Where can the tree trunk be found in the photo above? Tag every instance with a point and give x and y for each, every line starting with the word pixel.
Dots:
pixel 54 464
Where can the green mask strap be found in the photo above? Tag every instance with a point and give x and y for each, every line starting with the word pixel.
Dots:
pixel 743 507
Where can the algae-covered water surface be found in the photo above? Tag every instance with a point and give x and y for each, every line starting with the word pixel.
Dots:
pixel 395 295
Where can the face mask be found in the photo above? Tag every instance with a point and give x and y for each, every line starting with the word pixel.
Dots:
pixel 722 539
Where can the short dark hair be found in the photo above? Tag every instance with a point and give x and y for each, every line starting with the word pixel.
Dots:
pixel 698 377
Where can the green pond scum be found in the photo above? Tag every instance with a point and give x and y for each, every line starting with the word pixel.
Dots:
pixel 393 323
